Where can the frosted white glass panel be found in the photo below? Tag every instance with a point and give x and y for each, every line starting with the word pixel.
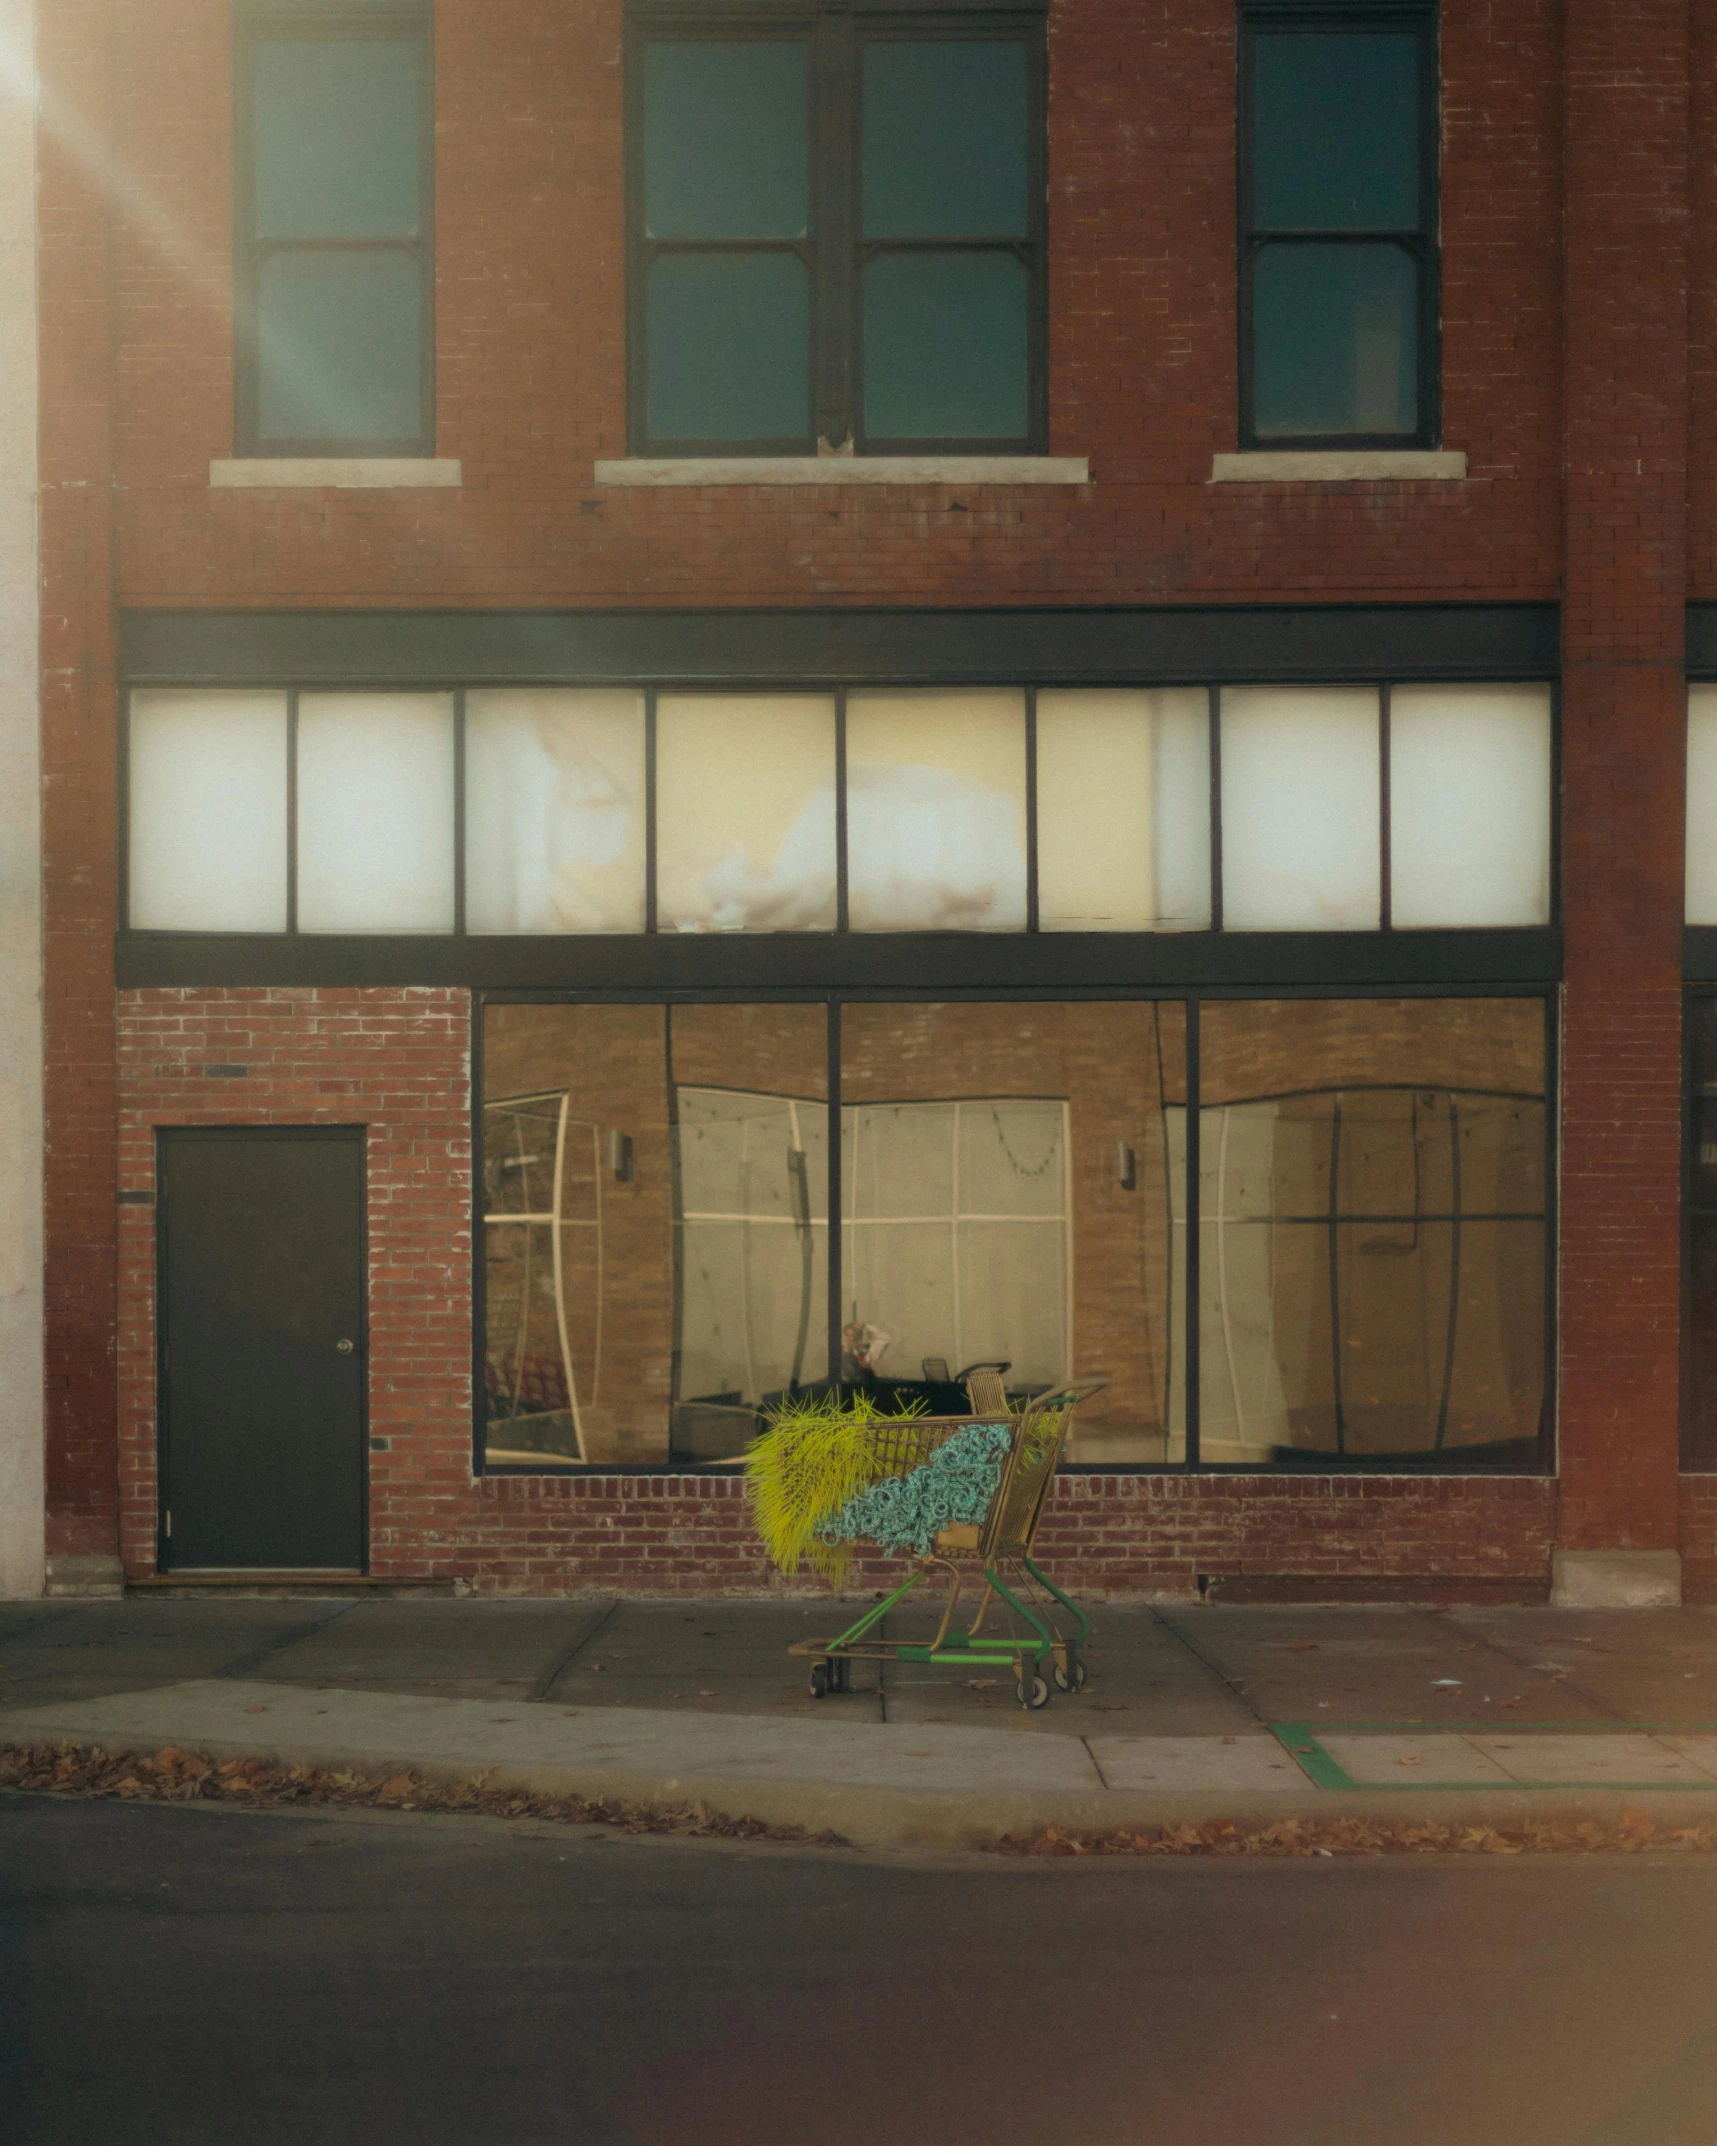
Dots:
pixel 1300 809
pixel 1123 811
pixel 936 811
pixel 375 812
pixel 208 811
pixel 554 811
pixel 745 812
pixel 1469 805
pixel 1702 804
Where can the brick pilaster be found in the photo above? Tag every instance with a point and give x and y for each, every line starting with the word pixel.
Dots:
pixel 1625 264
pixel 78 768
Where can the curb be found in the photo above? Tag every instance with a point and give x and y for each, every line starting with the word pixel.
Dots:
pixel 920 1818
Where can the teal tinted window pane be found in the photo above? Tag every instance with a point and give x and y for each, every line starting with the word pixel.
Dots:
pixel 945 347
pixel 944 140
pixel 726 130
pixel 1334 340
pixel 729 347
pixel 338 347
pixel 1335 133
pixel 337 138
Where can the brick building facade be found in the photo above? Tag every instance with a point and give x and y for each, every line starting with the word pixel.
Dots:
pixel 1525 541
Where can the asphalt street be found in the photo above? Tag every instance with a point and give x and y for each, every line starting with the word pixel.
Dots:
pixel 204 1975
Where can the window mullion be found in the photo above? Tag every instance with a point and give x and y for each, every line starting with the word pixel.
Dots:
pixel 834 163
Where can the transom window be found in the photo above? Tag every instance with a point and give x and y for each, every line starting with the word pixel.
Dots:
pixel 500 812
pixel 837 233
pixel 1338 224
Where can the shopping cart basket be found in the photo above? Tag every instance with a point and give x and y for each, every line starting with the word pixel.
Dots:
pixel 1046 1630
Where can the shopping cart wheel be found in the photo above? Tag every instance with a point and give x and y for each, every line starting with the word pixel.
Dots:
pixel 1072 1678
pixel 821 1681
pixel 1033 1693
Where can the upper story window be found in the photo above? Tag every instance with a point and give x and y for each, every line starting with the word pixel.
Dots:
pixel 1338 224
pixel 837 233
pixel 334 268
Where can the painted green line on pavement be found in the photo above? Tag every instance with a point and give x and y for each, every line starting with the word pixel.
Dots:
pixel 1325 1771
pixel 1309 1755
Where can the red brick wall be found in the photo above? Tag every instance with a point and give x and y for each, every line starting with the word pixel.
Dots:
pixel 530 230
pixel 1623 730
pixel 398 1063
pixel 137 351
pixel 78 880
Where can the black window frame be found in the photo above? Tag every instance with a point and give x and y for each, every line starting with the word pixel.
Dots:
pixel 834 249
pixel 1186 1330
pixel 336 23
pixel 1350 18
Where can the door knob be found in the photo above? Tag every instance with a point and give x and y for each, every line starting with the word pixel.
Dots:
pixel 345 1347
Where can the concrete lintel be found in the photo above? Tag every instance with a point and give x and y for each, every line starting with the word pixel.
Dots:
pixel 1616 1579
pixel 1340 466
pixel 85 1576
pixel 847 469
pixel 339 473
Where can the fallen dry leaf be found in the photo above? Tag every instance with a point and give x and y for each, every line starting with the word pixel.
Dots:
pixel 1302 1646
pixel 1414 1759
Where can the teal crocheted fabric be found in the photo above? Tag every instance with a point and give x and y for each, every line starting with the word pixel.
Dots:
pixel 903 1512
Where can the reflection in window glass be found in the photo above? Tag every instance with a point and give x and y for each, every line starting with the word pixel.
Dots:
pixel 936 811
pixel 375 812
pixel 1702 805
pixel 677 1165
pixel 207 807
pixel 1009 1196
pixel 655 1203
pixel 1300 809
pixel 1123 811
pixel 554 812
pixel 745 805
pixel 1372 1230
pixel 1469 805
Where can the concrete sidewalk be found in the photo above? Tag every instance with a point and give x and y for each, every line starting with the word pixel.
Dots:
pixel 1488 1715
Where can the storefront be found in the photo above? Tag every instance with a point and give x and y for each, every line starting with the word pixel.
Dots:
pixel 761 1001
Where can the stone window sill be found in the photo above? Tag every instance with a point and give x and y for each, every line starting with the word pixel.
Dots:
pixel 846 469
pixel 341 473
pixel 1338 465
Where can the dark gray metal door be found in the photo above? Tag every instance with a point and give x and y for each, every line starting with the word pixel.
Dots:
pixel 261 1250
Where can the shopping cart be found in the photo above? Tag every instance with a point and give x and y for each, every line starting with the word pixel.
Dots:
pixel 1045 1629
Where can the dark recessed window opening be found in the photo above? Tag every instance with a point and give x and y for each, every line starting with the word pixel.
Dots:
pixel 837 236
pixel 334 270
pixel 1338 225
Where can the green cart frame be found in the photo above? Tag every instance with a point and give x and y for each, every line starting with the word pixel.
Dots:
pixel 1047 1628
